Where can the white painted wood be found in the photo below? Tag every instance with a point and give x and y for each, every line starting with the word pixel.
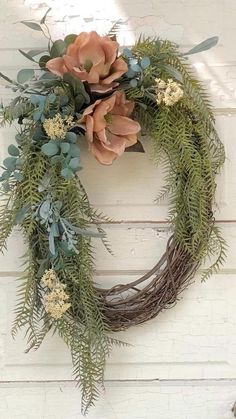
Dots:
pixel 193 340
pixel 190 349
pixel 129 400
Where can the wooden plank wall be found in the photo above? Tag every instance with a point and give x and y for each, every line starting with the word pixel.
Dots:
pixel 183 364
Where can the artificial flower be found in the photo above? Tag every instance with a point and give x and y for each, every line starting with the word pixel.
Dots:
pixel 168 92
pixel 91 58
pixel 108 129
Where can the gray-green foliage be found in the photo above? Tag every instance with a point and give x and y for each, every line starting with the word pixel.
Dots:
pixel 184 135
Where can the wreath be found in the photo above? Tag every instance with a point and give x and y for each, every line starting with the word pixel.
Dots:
pixel 84 90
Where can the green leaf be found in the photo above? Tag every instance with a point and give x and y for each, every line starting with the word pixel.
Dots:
pixel 51 243
pixel 5 175
pixel 18 176
pixel 67 173
pixel 10 163
pixel 133 83
pixel 56 159
pixel 173 72
pixel 145 62
pixel 32 25
pixel 65 147
pixel 43 61
pixel 55 230
pixel 79 102
pixel 26 55
pixel 74 163
pixel 71 137
pixel 13 150
pixel 74 150
pixel 36 51
pixel 50 149
pixel 21 214
pixel 42 21
pixel 76 84
pixel 203 46
pixel 25 75
pixel 58 48
pixel 19 162
pixel 69 39
pixel 44 209
pixel 44 183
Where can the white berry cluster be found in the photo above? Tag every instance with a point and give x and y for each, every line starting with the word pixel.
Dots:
pixel 168 92
pixel 56 300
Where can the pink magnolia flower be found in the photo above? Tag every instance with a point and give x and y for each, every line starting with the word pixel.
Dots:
pixel 108 129
pixel 91 58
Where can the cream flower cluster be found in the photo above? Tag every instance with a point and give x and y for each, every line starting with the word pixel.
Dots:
pixel 57 127
pixel 56 301
pixel 168 92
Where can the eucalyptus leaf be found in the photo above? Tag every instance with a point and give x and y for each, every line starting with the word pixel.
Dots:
pixel 51 243
pixel 37 115
pixel 5 175
pixel 45 182
pixel 25 75
pixel 13 150
pixel 50 149
pixel 74 163
pixel 19 162
pixel 136 68
pixel 26 55
pixel 65 147
pixel 36 51
pixel 203 46
pixel 55 230
pixel 10 163
pixel 44 209
pixel 56 159
pixel 74 150
pixel 21 214
pixel 127 53
pixel 67 173
pixel 133 83
pixel 42 21
pixel 32 25
pixel 145 62
pixel 69 39
pixel 18 176
pixel 75 83
pixel 82 231
pixel 43 61
pixel 58 48
pixel 71 137
pixel 173 72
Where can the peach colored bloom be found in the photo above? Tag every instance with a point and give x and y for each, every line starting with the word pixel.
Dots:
pixel 91 58
pixel 108 129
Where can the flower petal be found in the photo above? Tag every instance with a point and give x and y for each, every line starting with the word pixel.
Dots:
pixel 57 66
pixel 118 68
pixel 91 49
pixel 121 125
pixel 100 111
pixel 103 155
pixel 122 106
pixel 110 49
pixel 116 144
pixel 89 128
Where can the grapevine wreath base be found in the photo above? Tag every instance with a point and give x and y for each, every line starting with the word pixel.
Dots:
pixel 143 299
pixel 81 89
